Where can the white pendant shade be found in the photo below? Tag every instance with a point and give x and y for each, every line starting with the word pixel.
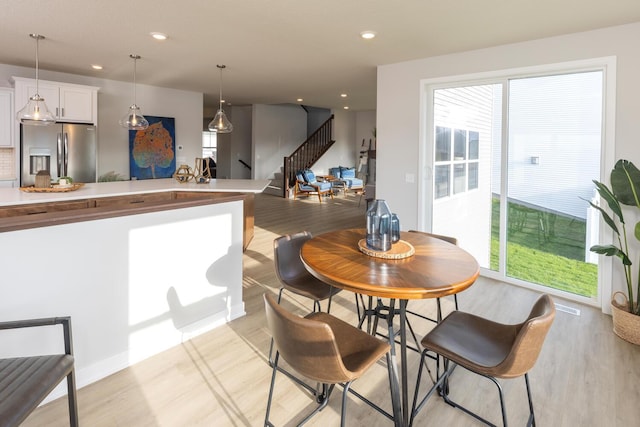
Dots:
pixel 220 122
pixel 36 111
pixel 134 119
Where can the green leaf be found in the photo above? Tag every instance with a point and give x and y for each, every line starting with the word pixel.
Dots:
pixel 611 250
pixel 625 183
pixel 610 198
pixel 610 222
pixel 636 231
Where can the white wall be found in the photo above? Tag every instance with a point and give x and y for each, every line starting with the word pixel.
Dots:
pixel 342 152
pixel 130 284
pixel 365 124
pixel 399 97
pixel 114 98
pixel 277 131
pixel 241 142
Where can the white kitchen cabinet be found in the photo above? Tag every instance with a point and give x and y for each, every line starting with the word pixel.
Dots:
pixel 68 102
pixel 6 117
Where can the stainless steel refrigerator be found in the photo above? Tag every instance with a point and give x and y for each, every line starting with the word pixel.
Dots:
pixel 64 149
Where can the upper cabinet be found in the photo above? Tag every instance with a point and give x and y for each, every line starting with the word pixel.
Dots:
pixel 68 102
pixel 6 117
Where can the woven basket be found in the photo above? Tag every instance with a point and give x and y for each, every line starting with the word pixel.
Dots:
pixel 625 325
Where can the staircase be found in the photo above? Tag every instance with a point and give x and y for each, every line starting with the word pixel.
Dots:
pixel 305 156
pixel 276 186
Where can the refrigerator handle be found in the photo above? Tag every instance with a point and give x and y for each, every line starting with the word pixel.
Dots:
pixel 59 157
pixel 66 152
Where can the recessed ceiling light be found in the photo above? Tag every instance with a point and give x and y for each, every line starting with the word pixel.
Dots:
pixel 346 107
pixel 159 36
pixel 344 95
pixel 96 67
pixel 367 35
pixel 300 100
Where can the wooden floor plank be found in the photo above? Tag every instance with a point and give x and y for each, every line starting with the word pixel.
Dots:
pixel 585 375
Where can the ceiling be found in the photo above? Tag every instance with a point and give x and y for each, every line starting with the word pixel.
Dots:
pixel 277 51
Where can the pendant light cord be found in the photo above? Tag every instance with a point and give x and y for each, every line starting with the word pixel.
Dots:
pixel 221 67
pixel 135 61
pixel 37 37
pixel 37 64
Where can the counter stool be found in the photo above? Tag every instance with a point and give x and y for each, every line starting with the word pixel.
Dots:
pixel 325 349
pixel 26 381
pixel 490 349
pixel 293 275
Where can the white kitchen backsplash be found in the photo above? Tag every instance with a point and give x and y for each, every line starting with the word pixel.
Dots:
pixel 7 163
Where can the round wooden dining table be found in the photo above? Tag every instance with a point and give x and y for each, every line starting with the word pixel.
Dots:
pixel 436 269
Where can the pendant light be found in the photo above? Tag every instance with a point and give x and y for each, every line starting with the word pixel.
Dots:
pixel 36 111
pixel 220 123
pixel 134 120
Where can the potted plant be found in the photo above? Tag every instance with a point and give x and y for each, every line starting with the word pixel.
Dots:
pixel 625 190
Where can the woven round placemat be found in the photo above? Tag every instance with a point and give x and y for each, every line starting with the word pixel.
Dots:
pixel 399 250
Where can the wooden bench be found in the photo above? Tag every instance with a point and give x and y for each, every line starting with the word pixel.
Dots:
pixel 26 381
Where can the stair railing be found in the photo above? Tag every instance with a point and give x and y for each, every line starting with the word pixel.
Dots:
pixel 307 154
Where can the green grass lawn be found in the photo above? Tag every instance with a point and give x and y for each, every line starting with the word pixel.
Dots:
pixel 546 249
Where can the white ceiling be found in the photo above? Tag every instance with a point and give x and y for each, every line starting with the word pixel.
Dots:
pixel 278 50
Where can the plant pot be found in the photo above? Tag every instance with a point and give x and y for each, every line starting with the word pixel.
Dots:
pixel 625 325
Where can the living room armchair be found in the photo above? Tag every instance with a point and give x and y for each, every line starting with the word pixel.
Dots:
pixel 348 176
pixel 306 183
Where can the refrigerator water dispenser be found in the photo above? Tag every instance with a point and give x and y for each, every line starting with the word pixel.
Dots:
pixel 39 160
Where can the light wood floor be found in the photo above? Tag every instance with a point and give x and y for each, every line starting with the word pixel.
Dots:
pixel 585 376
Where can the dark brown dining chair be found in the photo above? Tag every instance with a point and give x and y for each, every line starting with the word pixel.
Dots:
pixel 293 275
pixel 324 349
pixel 492 350
pixel 26 381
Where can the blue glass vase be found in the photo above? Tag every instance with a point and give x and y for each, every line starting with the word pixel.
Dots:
pixel 395 228
pixel 379 230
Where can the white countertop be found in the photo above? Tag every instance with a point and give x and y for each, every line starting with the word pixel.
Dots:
pixel 14 196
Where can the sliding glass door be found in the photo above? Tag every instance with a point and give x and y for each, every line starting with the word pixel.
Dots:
pixel 513 164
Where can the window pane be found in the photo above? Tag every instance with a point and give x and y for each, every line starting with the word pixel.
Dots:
pixel 473 176
pixel 443 144
pixel 209 145
pixel 460 145
pixel 442 181
pixel 555 141
pixel 459 178
pixel 474 145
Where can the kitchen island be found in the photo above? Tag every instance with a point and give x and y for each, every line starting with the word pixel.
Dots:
pixel 140 266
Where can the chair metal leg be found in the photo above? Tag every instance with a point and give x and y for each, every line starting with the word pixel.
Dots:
pixel 271 345
pixel 439 384
pixel 321 397
pixel 267 423
pixel 395 389
pixel 447 399
pixel 72 399
pixel 71 377
pixel 345 394
pixel 323 400
pixel 532 417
